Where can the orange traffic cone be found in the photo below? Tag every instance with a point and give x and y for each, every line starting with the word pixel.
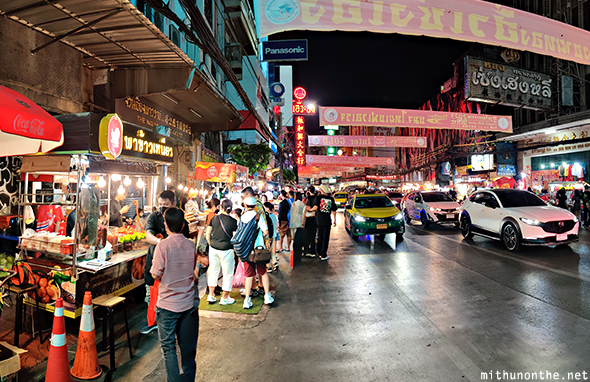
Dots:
pixel 58 363
pixel 86 362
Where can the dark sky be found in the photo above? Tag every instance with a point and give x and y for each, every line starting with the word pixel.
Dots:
pixel 363 69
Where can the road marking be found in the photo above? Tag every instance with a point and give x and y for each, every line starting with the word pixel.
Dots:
pixel 518 259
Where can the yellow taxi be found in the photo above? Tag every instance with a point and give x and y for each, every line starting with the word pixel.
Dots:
pixel 373 214
pixel 341 198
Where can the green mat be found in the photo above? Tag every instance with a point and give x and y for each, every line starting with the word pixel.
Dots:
pixel 236 307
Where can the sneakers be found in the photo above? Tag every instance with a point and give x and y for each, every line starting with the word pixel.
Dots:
pixel 257 292
pixel 148 329
pixel 310 255
pixel 226 301
pixel 268 299
pixel 324 258
pixel 247 303
pixel 211 299
pixel 269 270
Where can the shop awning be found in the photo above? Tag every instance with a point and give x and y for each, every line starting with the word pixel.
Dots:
pixel 25 128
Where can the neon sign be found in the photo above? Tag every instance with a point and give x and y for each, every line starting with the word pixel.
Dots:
pixel 299 93
pixel 299 108
pixel 300 140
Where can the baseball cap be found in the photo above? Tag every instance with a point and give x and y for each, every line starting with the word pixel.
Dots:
pixel 250 201
pixel 325 189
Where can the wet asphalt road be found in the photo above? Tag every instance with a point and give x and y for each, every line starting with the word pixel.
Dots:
pixel 431 308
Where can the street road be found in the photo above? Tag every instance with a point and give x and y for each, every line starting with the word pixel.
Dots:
pixel 436 308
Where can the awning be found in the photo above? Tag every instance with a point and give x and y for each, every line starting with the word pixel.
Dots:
pixel 25 128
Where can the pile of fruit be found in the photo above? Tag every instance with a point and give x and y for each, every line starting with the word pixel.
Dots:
pixel 128 234
pixel 48 290
pixel 6 262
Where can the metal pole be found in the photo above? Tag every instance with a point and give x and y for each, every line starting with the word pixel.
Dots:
pixel 76 228
pixel 108 199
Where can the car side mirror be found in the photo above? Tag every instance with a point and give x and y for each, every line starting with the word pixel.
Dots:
pixel 348 207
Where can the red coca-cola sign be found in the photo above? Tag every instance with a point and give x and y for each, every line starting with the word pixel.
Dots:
pixel 21 116
pixel 111 136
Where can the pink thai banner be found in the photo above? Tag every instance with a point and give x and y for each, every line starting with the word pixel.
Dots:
pixel 424 119
pixel 315 160
pixel 464 20
pixel 365 141
pixel 325 167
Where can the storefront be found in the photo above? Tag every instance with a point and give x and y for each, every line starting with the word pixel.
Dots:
pixel 101 157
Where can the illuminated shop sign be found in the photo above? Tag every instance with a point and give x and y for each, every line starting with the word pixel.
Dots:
pixel 300 140
pixel 147 145
pixel 303 108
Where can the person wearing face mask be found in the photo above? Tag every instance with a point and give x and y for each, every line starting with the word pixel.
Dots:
pixel 155 231
pixel 213 205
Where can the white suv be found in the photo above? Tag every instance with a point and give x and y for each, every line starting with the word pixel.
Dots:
pixel 430 207
pixel 517 218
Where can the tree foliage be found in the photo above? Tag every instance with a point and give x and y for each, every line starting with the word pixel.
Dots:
pixel 255 157
pixel 289 176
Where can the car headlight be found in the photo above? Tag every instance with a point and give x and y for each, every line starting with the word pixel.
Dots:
pixel 435 209
pixel 359 218
pixel 458 208
pixel 530 221
pixel 432 209
pixel 575 219
pixel 399 216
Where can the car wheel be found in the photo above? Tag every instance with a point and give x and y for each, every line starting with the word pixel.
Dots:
pixel 511 237
pixel 407 217
pixel 466 228
pixel 424 220
pixel 399 236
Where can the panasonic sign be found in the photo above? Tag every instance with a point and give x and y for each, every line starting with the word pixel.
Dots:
pixel 284 50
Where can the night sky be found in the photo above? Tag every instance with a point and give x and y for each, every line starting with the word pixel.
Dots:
pixel 363 69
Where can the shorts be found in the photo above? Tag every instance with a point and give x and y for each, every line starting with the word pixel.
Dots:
pixel 284 230
pixel 250 269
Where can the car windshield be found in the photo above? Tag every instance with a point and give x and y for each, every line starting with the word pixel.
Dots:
pixel 339 196
pixel 373 202
pixel 395 195
pixel 436 197
pixel 517 198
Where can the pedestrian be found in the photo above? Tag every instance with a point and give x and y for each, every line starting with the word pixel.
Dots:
pixel 311 226
pixel 325 208
pixel 213 205
pixel 174 265
pixel 561 198
pixel 586 198
pixel 221 254
pixel 155 231
pixel 577 204
pixel 297 223
pixel 251 269
pixel 236 213
pixel 270 209
pixel 284 231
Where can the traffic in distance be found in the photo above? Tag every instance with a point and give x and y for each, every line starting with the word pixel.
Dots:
pixel 515 217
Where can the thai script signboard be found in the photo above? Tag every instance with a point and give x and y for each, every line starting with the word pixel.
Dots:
pixel 365 141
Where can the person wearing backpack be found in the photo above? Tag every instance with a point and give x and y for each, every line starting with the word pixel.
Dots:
pixel 247 243
pixel 274 233
pixel 221 252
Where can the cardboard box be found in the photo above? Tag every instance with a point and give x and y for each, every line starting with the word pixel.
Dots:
pixel 10 365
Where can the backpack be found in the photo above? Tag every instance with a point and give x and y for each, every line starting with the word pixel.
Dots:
pixel 24 277
pixel 243 240
pixel 271 227
pixel 289 213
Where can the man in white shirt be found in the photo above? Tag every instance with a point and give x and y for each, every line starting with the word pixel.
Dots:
pixel 298 226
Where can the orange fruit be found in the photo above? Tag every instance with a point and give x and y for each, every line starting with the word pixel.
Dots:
pixel 45 299
pixel 43 283
pixel 41 292
pixel 50 292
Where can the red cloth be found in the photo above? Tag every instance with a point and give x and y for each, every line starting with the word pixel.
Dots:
pixel 151 313
pixel 47 216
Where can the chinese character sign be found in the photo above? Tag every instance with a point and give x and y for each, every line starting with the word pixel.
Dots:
pixel 299 140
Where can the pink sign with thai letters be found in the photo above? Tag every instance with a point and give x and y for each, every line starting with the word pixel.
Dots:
pixel 464 20
pixel 365 141
pixel 425 119
pixel 314 160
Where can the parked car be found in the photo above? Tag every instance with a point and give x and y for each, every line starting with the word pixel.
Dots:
pixel 517 218
pixel 430 207
pixel 396 197
pixel 341 198
pixel 373 214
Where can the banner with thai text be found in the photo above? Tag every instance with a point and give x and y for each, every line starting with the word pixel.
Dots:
pixel 218 172
pixel 313 160
pixel 365 141
pixel 425 119
pixel 325 167
pixel 464 20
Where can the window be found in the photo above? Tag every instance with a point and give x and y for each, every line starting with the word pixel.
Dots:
pixel 436 197
pixel 518 198
pixel 209 14
pixel 373 202
pixel 412 196
pixel 476 198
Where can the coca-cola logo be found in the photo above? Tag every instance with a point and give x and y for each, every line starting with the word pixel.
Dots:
pixel 32 126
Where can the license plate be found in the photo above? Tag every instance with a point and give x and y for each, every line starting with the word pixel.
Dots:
pixel 450 216
pixel 381 226
pixel 562 237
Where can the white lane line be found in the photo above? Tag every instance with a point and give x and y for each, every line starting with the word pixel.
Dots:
pixel 520 260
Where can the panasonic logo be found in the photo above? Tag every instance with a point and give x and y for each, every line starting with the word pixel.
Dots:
pixel 298 49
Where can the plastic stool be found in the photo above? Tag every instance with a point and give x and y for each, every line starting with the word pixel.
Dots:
pixel 109 303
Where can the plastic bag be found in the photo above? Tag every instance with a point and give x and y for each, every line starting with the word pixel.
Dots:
pixel 239 276
pixel 28 214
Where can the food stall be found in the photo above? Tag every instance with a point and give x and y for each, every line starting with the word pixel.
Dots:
pixel 233 175
pixel 118 159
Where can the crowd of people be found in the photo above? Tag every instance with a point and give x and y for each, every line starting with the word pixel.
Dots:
pixel 299 225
